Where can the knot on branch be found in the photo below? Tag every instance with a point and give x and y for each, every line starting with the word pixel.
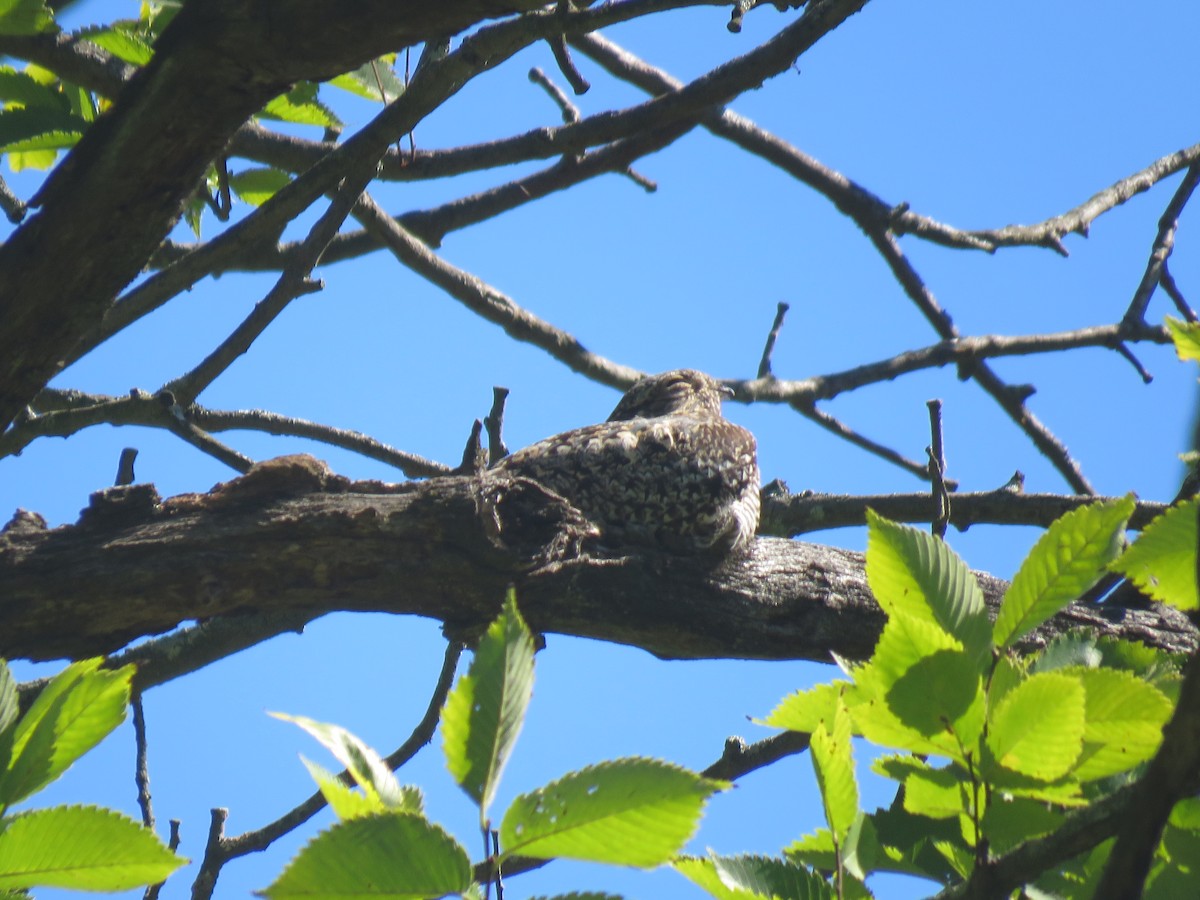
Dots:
pixel 521 516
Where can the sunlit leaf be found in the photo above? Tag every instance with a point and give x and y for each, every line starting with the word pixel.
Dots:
pixel 121 42
pixel 1123 724
pixel 804 710
pixel 1162 562
pixel 257 186
pixel 1067 560
pixel 752 877
pixel 397 855
pixel 1186 338
pixel 366 767
pixel 633 812
pixel 81 848
pixel 485 711
pixel 833 764
pixel 912 571
pixel 1037 729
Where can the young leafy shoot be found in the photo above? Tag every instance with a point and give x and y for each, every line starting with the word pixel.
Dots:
pixel 80 848
pixel 915 573
pixel 72 714
pixel 349 804
pixel 630 812
pixel 1066 561
pixel 485 711
pixel 1162 562
pixel 361 761
pixel 401 856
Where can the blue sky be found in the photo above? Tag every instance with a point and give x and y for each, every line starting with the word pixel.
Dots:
pixel 977 114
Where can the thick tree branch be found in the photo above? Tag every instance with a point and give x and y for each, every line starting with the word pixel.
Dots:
pixel 290 537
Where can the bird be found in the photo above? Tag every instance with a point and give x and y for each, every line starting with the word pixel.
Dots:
pixel 665 471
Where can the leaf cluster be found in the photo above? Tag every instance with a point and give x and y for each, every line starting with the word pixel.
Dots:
pixel 78 847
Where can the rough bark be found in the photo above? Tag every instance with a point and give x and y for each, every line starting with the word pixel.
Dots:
pixel 291 538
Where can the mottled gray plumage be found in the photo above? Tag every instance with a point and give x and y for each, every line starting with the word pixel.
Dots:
pixel 666 470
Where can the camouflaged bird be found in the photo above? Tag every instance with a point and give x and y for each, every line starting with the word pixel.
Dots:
pixel 666 470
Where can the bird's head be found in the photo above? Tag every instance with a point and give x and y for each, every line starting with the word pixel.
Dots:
pixel 683 392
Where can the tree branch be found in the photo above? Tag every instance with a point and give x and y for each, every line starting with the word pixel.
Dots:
pixel 291 538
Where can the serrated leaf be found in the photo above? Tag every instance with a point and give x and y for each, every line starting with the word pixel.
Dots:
pixel 23 89
pixel 913 572
pixel 73 713
pixel 632 812
pixel 833 764
pixel 397 855
pixel 25 16
pixel 122 43
pixel 8 700
pixel 1124 717
pixel 39 128
pixel 941 692
pixel 804 710
pixel 288 108
pixel 365 766
pixel 257 186
pixel 1162 561
pixel 1008 821
pixel 345 802
pixel 81 848
pixel 904 643
pixel 1037 729
pixel 580 895
pixel 1186 338
pixel 1066 561
pixel 937 793
pixel 485 711
pixel 752 877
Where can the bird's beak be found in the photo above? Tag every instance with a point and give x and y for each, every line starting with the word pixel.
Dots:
pixel 726 391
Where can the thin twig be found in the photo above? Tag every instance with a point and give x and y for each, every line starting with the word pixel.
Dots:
pixel 293 282
pixel 568 110
pixel 495 426
pixel 764 365
pixel 937 470
pixel 14 207
pixel 141 770
pixel 1164 243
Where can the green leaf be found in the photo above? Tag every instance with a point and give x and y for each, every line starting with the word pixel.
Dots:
pixel 23 89
pixel 804 710
pixel 1162 562
pixel 751 877
pixel 25 16
pixel 292 107
pixel 632 812
pixel 81 848
pixel 905 642
pixel 1123 724
pixel 484 713
pixel 941 692
pixel 937 793
pixel 577 895
pixel 257 186
pixel 1010 820
pixel 365 766
pixel 397 855
pixel 39 128
pixel 1186 338
pixel 1037 729
pixel 73 713
pixel 913 572
pixel 345 802
pixel 1066 561
pixel 367 79
pixel 8 700
pixel 122 42
pixel 833 763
